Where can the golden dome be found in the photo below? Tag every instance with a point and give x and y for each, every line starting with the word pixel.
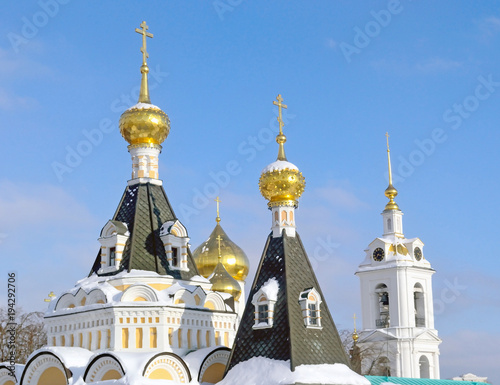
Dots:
pixel 233 258
pixel 223 282
pixel 144 123
pixel 281 182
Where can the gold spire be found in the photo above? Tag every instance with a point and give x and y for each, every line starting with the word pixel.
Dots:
pixel 355 336
pixel 281 138
pixel 144 124
pixel 390 191
pixel 218 216
pixel 144 93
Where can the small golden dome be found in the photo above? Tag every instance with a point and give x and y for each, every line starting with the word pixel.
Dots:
pixel 355 336
pixel 281 183
pixel 233 258
pixel 144 123
pixel 223 282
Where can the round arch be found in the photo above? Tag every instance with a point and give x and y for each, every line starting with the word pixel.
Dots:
pixel 167 366
pixel 102 368
pixel 45 368
pixel 214 365
pixel 5 376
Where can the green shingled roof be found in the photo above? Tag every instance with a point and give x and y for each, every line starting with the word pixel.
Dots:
pixel 379 380
pixel 285 260
pixel 144 207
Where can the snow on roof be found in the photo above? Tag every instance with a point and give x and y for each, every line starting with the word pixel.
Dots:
pixel 280 165
pixel 270 289
pixel 265 371
pixel 142 106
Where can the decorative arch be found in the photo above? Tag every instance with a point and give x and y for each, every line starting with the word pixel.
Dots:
pixel 175 228
pixel 139 292
pixel 102 368
pixel 45 368
pixel 184 297
pixel 81 298
pixel 5 376
pixel 167 366
pixel 213 366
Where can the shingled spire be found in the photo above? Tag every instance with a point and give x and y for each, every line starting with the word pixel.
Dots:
pixel 285 260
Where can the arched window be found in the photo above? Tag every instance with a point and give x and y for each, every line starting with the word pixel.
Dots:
pixel 382 298
pixel 389 224
pixel 291 215
pixel 276 216
pixel 310 302
pixel 423 362
pixel 419 305
pixel 283 215
pixel 263 301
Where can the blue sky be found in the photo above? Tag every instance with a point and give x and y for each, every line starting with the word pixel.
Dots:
pixel 427 72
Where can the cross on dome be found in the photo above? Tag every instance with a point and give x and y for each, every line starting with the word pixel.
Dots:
pixel 144 33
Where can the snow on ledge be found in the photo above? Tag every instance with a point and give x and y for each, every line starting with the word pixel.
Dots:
pixel 280 165
pixel 270 289
pixel 265 371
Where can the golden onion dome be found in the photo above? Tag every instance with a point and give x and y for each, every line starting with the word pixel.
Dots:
pixel 233 258
pixel 281 183
pixel 223 282
pixel 144 123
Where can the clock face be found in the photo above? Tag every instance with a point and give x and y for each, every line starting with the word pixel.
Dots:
pixel 378 254
pixel 418 253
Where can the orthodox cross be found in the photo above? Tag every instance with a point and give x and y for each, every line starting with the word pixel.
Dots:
pixel 280 105
pixel 354 318
pixel 144 33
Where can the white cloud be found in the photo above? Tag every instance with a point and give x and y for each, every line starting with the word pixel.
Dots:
pixel 19 65
pixel 490 26
pixel 27 205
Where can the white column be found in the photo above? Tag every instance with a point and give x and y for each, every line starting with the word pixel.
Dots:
pixel 144 160
pixel 283 217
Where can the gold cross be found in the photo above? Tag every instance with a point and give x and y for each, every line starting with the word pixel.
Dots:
pixel 218 216
pixel 144 33
pixel 219 239
pixel 354 318
pixel 280 105
pixel 387 136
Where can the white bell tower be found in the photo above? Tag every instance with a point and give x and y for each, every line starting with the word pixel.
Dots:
pixel 398 337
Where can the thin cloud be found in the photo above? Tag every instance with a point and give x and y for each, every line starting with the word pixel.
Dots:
pixel 330 43
pixel 438 64
pixel 21 66
pixel 11 102
pixel 490 26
